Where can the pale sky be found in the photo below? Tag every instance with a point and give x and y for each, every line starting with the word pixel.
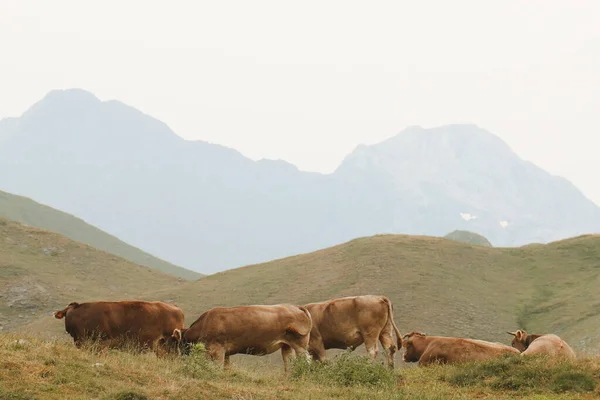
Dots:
pixel 308 81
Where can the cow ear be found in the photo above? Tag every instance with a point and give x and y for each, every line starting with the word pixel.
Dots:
pixel 177 334
pixel 519 335
pixel 512 333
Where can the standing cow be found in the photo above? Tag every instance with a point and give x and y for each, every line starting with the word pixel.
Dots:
pixel 115 322
pixel 349 322
pixel 541 344
pixel 449 350
pixel 255 330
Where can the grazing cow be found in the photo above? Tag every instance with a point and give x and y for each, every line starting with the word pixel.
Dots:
pixel 255 330
pixel 348 322
pixel 541 344
pixel 113 323
pixel 449 350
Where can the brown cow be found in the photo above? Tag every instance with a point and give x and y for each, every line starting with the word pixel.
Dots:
pixel 115 322
pixel 541 344
pixel 348 322
pixel 254 330
pixel 448 350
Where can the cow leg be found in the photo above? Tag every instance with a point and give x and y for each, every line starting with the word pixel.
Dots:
pixel 217 353
pixel 227 361
pixel 371 346
pixel 286 354
pixel 387 342
pixel 315 346
pixel 300 351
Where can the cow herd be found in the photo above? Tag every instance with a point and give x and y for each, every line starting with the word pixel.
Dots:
pixel 309 330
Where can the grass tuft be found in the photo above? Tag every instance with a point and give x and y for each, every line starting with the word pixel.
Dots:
pixel 525 374
pixel 345 370
pixel 130 395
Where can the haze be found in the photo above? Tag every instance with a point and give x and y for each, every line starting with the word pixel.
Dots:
pixel 308 81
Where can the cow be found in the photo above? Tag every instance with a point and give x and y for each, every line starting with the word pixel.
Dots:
pixel 348 322
pixel 117 323
pixel 427 350
pixel 254 330
pixel 549 344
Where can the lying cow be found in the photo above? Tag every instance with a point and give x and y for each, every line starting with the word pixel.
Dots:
pixel 541 344
pixel 449 350
pixel 349 322
pixel 114 323
pixel 255 330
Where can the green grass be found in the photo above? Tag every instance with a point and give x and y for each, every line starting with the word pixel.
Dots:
pixel 27 211
pixel 41 271
pixel 41 369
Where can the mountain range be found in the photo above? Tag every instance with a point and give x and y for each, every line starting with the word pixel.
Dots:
pixel 208 208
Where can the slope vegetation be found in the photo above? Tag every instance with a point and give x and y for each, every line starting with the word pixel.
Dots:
pixel 41 271
pixel 27 211
pixel 468 237
pixel 31 368
pixel 437 285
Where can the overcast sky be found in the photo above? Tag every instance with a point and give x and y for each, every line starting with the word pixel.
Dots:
pixel 307 81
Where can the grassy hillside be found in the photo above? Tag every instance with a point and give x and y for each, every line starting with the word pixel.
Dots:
pixel 35 369
pixel 438 286
pixel 41 271
pixel 27 211
pixel 468 237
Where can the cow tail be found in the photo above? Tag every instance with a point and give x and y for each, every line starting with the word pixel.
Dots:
pixel 305 310
pixel 391 318
pixel 60 314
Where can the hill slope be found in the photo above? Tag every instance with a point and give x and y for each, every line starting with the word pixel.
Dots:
pixel 437 285
pixel 468 237
pixel 41 271
pixel 26 211
pixel 192 203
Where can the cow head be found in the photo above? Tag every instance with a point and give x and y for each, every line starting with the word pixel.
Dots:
pixel 176 343
pixel 415 344
pixel 519 341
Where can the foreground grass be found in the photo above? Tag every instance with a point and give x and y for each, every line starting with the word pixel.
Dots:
pixel 35 369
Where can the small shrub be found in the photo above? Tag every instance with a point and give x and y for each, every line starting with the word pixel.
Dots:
pixel 197 364
pixel 346 370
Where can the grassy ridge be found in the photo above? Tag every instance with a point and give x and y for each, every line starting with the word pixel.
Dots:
pixel 41 271
pixel 436 285
pixel 27 211
pixel 34 369
pixel 468 237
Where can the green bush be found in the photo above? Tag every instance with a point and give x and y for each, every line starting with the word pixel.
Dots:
pixel 346 370
pixel 524 374
pixel 197 364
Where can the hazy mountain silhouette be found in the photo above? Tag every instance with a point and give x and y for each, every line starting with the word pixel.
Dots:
pixel 207 207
